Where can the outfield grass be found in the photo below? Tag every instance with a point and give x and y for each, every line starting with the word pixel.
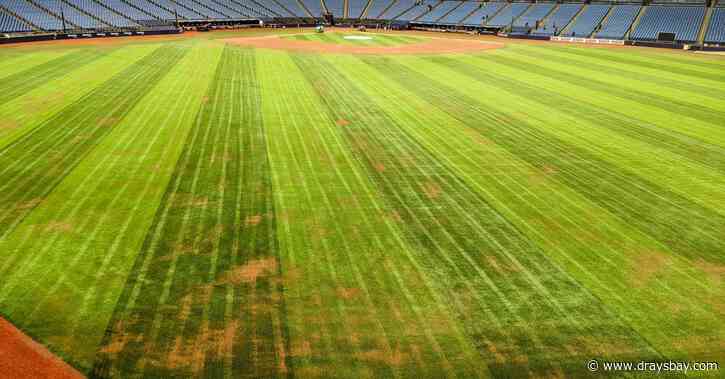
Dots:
pixel 194 208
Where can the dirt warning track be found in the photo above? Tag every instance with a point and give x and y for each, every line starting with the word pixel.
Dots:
pixel 21 357
pixel 429 46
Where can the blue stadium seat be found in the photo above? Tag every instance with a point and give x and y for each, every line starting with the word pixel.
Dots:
pixel 684 22
pixel 314 6
pixel 11 24
pixel 457 15
pixel 72 15
pixel 716 30
pixel 356 8
pixel 376 8
pixel 532 15
pixel 293 6
pixel 104 14
pixel 508 14
pixel 35 15
pixel 336 7
pixel 148 7
pixel 619 21
pixel 397 9
pixel 558 20
pixel 483 13
pixel 439 11
pixel 587 21
pixel 420 9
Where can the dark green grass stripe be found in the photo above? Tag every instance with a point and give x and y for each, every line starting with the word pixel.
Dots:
pixel 698 112
pixel 630 72
pixel 686 227
pixel 699 151
pixel 204 296
pixel 658 63
pixel 33 165
pixel 459 234
pixel 21 82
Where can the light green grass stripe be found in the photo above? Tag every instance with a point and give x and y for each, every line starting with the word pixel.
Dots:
pixel 23 114
pixel 699 91
pixel 685 165
pixel 104 204
pixel 424 121
pixel 702 122
pixel 571 253
pixel 356 217
pixel 13 63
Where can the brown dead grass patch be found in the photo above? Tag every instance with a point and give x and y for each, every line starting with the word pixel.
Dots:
pixel 59 226
pixel 8 125
pixel 432 190
pixel 251 271
pixel 342 122
pixel 647 265
pixel 253 220
pixel 347 293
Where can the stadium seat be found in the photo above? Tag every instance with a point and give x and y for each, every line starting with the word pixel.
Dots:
pixel 683 21
pixel 534 14
pixel 35 15
pixel 716 30
pixel 587 21
pixel 508 14
pixel 336 7
pixel 459 13
pixel 314 6
pixel 11 24
pixel 104 14
pixel 558 20
pixel 356 8
pixel 376 8
pixel 483 13
pixel 439 11
pixel 619 21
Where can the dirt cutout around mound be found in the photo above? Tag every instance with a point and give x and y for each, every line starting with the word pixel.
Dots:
pixel 21 357
pixel 429 46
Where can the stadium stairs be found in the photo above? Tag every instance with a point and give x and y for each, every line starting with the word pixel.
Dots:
pixel 20 18
pixel 573 20
pixel 139 9
pixel 634 24
pixel 705 25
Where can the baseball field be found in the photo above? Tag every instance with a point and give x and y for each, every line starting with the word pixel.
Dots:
pixel 400 205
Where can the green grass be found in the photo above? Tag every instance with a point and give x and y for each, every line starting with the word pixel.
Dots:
pixel 190 208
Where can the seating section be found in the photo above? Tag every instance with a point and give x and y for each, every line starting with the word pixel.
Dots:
pixel 619 21
pixel 420 9
pixel 104 14
pixel 458 14
pixel 11 24
pixel 684 22
pixel 356 8
pixel 314 6
pixel 483 14
pixel 441 10
pixel 716 30
pixel 336 7
pixel 508 14
pixel 35 15
pixel 376 8
pixel 148 7
pixel 587 21
pixel 399 7
pixel 129 11
pixel 292 5
pixel 535 13
pixel 72 15
pixel 598 20
pixel 558 20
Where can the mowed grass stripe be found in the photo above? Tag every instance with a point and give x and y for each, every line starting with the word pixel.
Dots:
pixel 604 256
pixel 108 200
pixel 32 108
pixel 399 303
pixel 662 214
pixel 23 81
pixel 675 64
pixel 34 164
pixel 702 152
pixel 709 93
pixel 576 77
pixel 378 149
pixel 203 289
pixel 20 61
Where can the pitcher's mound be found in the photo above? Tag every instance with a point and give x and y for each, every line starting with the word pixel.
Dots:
pixel 429 46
